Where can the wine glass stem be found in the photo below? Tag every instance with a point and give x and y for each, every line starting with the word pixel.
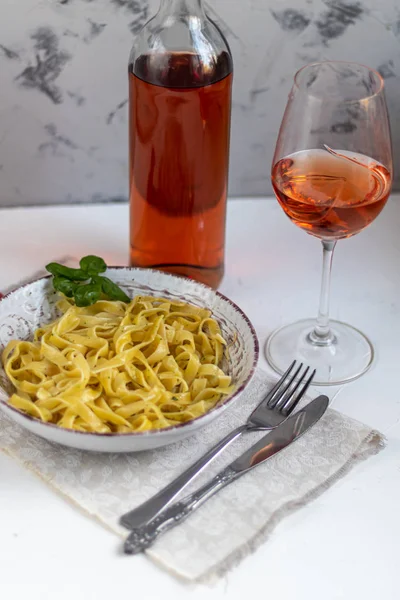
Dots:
pixel 322 335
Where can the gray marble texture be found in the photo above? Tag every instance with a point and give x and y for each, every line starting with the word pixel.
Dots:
pixel 63 92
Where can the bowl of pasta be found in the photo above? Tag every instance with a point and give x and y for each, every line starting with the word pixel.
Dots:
pixel 122 376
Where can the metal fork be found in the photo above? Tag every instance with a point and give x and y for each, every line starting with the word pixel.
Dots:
pixel 272 410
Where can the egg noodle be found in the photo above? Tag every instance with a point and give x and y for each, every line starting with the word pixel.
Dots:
pixel 116 367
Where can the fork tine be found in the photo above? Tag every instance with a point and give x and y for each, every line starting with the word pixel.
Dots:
pixel 291 388
pixel 282 404
pixel 271 394
pixel 293 401
pixel 282 390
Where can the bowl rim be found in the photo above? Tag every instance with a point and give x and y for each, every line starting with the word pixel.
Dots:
pixel 219 408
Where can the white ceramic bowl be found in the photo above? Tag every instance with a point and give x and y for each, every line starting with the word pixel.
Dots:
pixel 26 308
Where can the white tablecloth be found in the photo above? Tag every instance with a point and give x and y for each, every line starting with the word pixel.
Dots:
pixel 346 544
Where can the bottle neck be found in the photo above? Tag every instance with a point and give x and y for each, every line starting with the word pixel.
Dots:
pixel 182 7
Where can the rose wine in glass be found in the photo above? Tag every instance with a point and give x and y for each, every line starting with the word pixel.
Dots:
pixel 327 196
pixel 332 181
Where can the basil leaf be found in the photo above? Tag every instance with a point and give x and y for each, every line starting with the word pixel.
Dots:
pixel 111 290
pixel 93 265
pixel 87 294
pixel 72 274
pixel 68 282
pixel 65 286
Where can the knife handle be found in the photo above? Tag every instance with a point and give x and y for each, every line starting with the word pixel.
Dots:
pixel 143 537
pixel 146 512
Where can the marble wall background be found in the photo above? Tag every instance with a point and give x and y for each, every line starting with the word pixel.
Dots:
pixel 63 85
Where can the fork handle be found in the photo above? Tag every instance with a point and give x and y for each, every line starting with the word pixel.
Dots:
pixel 142 538
pixel 138 517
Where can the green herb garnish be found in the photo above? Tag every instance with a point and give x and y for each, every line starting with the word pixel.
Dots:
pixel 63 271
pixel 86 285
pixel 92 265
pixel 64 285
pixel 111 290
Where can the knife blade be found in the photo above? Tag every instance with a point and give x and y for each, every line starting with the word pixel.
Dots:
pixel 279 438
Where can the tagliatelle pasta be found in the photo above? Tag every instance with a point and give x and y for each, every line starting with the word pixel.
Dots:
pixel 116 367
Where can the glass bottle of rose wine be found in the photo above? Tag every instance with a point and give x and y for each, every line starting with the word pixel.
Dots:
pixel 180 82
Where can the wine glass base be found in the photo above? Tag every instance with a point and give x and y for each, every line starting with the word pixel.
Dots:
pixel 346 358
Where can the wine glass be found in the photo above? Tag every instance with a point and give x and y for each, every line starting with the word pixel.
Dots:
pixel 332 175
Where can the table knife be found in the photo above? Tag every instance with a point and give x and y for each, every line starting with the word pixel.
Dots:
pixel 279 438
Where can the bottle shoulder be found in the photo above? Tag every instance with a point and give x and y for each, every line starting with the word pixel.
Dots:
pixel 195 47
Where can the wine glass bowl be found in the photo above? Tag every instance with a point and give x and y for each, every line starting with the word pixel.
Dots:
pixel 332 175
pixel 331 195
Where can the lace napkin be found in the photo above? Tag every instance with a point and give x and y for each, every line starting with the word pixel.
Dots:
pixel 232 523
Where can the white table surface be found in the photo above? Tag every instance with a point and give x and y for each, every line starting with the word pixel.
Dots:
pixel 346 544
